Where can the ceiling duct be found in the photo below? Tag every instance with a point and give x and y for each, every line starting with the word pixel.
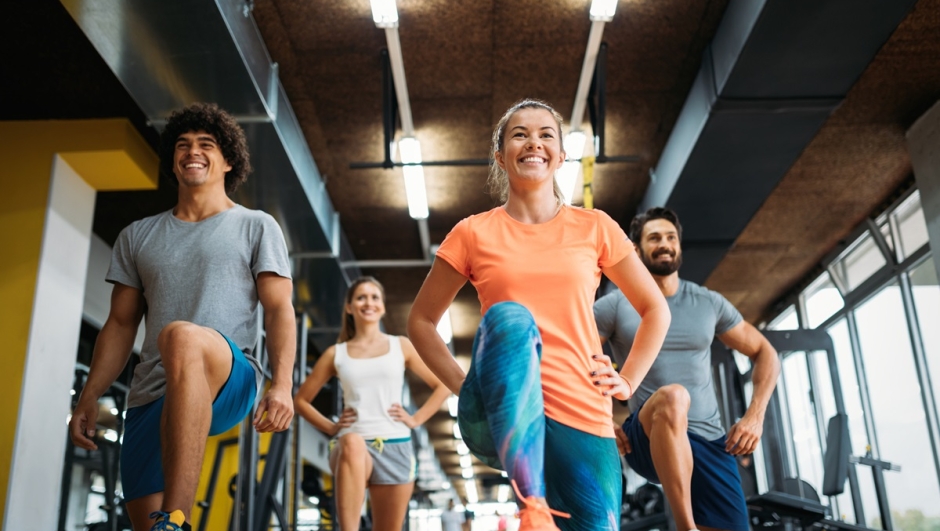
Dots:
pixel 170 54
pixel 773 74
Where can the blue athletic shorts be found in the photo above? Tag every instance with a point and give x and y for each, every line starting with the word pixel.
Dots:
pixel 717 496
pixel 141 463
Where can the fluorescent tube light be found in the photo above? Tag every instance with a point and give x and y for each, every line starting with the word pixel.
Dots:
pixel 452 405
pixel 471 488
pixel 601 10
pixel 409 150
pixel 385 13
pixel 414 190
pixel 567 175
pixel 574 145
pixel 462 448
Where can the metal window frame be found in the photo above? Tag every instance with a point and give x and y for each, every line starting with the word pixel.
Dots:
pixel 897 269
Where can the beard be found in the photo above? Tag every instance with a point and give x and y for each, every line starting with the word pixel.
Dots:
pixel 662 269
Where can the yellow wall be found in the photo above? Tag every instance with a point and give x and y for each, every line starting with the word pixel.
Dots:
pixel 109 155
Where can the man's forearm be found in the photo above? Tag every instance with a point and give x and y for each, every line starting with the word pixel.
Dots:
pixel 765 373
pixel 281 344
pixel 112 350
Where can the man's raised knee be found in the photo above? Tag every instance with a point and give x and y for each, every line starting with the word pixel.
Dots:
pixel 672 404
pixel 177 336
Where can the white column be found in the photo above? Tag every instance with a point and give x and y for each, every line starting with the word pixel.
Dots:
pixel 923 143
pixel 41 431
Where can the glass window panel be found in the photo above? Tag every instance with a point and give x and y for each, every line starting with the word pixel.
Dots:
pixel 805 435
pixel 911 225
pixel 824 393
pixel 851 395
pixel 787 320
pixel 927 301
pixel 785 416
pixel 822 300
pixel 860 263
pixel 858 433
pixel 897 410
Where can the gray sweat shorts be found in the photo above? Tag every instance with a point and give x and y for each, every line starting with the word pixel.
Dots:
pixel 393 460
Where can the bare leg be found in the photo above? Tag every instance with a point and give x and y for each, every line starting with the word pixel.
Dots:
pixel 139 510
pixel 665 420
pixel 198 362
pixel 389 505
pixel 352 471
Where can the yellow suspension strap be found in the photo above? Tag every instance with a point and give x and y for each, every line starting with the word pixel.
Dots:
pixel 587 170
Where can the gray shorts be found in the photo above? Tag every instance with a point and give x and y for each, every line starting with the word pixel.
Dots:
pixel 393 460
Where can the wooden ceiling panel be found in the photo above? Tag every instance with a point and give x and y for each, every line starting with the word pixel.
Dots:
pixel 539 25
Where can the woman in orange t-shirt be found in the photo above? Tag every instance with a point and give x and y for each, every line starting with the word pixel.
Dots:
pixel 538 389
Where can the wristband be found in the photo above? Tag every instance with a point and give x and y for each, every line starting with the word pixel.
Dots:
pixel 629 385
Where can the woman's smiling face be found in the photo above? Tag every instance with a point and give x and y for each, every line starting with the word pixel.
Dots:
pixel 532 149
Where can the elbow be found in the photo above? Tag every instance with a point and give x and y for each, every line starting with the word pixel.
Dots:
pixel 414 327
pixel 300 403
pixel 664 315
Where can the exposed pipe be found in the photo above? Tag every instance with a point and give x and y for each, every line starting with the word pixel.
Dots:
pixel 386 263
pixel 587 74
pixel 401 86
pixel 457 162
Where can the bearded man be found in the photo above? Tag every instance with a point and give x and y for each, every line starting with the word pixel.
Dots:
pixel 674 435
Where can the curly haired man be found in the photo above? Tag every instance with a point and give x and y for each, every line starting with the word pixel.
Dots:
pixel 201 272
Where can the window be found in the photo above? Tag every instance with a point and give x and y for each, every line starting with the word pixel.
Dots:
pixel 822 300
pixel 912 229
pixel 851 395
pixel 858 432
pixel 927 302
pixel 787 320
pixel 897 409
pixel 805 435
pixel 874 365
pixel 862 260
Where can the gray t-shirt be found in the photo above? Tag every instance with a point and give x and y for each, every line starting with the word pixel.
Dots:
pixel 698 315
pixel 202 272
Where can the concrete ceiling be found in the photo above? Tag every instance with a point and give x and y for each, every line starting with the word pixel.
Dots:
pixel 466 62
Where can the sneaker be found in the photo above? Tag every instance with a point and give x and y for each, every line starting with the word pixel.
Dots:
pixel 535 516
pixel 174 521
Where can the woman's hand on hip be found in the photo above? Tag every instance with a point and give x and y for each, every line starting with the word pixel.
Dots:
pixel 608 379
pixel 401 415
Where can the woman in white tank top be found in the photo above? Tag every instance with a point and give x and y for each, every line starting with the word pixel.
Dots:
pixel 373 447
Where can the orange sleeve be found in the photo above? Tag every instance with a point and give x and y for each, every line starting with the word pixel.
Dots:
pixel 613 245
pixel 454 248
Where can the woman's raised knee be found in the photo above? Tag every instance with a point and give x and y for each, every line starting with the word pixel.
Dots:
pixel 508 315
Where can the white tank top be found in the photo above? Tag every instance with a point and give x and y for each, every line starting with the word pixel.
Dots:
pixel 371 386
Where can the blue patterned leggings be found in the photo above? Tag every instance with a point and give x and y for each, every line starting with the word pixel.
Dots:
pixel 503 422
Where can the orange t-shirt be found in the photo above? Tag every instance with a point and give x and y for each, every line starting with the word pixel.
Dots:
pixel 553 269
